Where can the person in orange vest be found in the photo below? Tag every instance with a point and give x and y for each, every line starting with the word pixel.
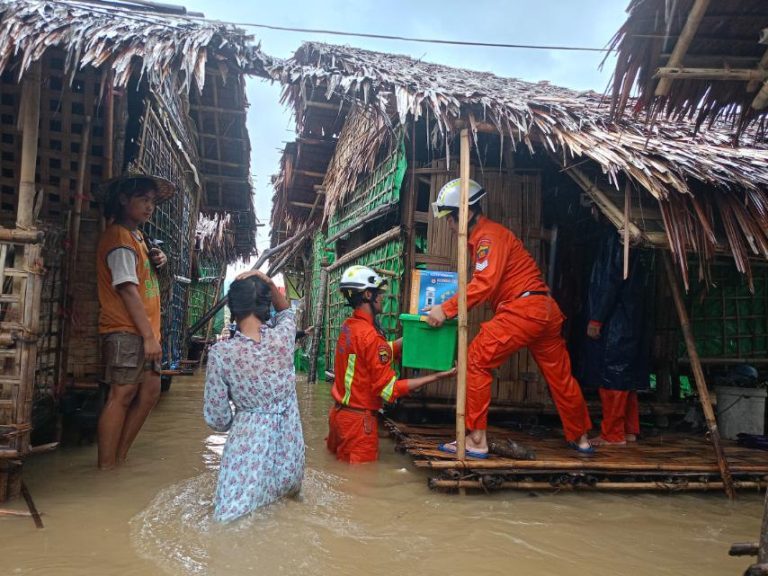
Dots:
pixel 525 315
pixel 364 377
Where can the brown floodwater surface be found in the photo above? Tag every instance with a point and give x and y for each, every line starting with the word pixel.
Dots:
pixel 153 516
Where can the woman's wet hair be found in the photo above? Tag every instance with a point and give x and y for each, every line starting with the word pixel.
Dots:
pixel 130 187
pixel 250 296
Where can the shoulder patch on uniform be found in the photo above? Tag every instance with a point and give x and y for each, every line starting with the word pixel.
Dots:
pixel 385 353
pixel 480 266
pixel 483 249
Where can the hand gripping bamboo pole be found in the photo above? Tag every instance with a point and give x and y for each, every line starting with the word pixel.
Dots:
pixel 698 374
pixel 461 380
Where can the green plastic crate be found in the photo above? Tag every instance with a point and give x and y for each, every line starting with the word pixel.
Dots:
pixel 427 347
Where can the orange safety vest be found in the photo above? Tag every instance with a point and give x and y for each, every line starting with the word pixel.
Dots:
pixel 363 373
pixel 114 316
pixel 502 269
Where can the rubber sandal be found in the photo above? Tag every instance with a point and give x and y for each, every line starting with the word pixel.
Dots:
pixel 450 448
pixel 575 445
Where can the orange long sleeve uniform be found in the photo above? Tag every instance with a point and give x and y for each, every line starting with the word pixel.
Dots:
pixel 507 277
pixel 364 379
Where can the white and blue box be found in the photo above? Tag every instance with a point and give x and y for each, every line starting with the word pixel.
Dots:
pixel 430 288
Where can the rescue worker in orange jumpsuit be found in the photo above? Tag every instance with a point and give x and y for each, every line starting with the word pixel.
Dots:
pixel 525 315
pixel 364 377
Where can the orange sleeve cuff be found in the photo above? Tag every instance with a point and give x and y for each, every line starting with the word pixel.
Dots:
pixel 451 307
pixel 401 388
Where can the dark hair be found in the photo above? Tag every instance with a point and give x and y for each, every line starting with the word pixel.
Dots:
pixel 129 187
pixel 249 296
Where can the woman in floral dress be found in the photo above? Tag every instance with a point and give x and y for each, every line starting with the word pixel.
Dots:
pixel 253 374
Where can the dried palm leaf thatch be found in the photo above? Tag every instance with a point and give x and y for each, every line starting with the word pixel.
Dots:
pixel 215 238
pixel 727 38
pixel 693 174
pixel 127 40
pixel 366 132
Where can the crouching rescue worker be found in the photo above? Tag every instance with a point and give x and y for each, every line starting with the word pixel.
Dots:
pixel 364 377
pixel 525 315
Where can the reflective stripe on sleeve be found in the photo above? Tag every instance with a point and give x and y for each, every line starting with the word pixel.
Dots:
pixel 386 394
pixel 349 375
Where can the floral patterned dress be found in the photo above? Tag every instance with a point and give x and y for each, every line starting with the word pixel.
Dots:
pixel 263 459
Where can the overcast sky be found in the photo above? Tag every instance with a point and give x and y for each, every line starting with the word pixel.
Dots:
pixel 589 23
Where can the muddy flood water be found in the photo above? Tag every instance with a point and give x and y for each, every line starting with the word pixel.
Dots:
pixel 154 517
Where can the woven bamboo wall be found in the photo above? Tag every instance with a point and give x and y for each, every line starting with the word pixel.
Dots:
pixel 514 200
pixel 66 102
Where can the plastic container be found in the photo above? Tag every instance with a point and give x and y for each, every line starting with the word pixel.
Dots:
pixel 426 347
pixel 739 410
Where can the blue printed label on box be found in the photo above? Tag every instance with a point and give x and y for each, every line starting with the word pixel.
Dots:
pixel 430 288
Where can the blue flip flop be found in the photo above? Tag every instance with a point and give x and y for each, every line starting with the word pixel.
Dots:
pixel 588 450
pixel 450 448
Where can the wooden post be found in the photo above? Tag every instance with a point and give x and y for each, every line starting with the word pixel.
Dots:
pixel 698 374
pixel 461 376
pixel 317 322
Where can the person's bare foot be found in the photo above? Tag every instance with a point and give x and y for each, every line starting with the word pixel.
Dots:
pixel 600 441
pixel 630 437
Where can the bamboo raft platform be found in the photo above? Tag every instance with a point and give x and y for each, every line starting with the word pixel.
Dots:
pixel 667 462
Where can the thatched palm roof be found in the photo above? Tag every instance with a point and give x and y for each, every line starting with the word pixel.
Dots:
pixel 708 52
pixel 127 40
pixel 693 175
pixel 193 67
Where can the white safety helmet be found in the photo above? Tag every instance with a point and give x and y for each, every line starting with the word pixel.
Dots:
pixel 360 278
pixel 448 197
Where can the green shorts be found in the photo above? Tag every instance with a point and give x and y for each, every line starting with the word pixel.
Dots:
pixel 123 355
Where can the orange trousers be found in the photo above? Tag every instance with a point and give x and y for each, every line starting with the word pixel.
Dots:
pixel 621 414
pixel 534 322
pixel 353 436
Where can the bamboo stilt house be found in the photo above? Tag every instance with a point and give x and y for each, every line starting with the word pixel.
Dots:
pixel 546 155
pixel 699 60
pixel 88 90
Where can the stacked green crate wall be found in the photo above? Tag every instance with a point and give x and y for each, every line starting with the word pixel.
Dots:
pixel 727 320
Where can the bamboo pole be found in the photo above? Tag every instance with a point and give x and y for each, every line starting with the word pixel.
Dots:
pixel 365 248
pixel 698 374
pixel 577 464
pixel 317 322
pixel 461 376
pixel 74 243
pixel 15 236
pixel 29 126
pixel 599 486
pixel 627 199
pixel 31 505
pixel 683 42
pixel 711 74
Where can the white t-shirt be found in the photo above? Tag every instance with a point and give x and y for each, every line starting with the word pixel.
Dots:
pixel 122 265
